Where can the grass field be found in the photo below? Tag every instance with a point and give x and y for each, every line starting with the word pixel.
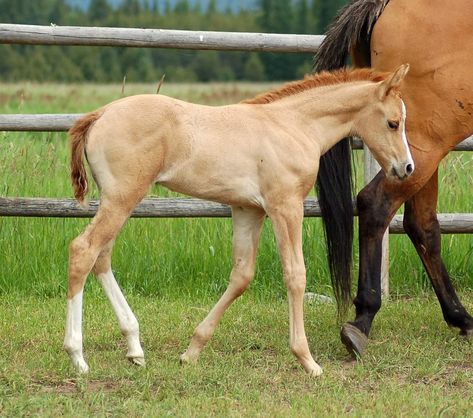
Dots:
pixel 173 270
pixel 415 367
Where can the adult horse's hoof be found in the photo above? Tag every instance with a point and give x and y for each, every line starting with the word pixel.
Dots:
pixel 467 333
pixel 354 340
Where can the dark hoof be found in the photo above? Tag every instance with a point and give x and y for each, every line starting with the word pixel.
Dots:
pixel 354 340
pixel 467 333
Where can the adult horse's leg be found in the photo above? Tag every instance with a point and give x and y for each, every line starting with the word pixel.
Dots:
pixel 421 224
pixel 127 321
pixel 287 224
pixel 247 225
pixel 377 203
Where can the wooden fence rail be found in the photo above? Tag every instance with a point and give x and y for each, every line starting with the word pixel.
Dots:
pixel 452 223
pixel 157 38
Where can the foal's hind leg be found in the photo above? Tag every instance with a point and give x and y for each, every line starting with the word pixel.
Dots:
pixel 421 224
pixel 246 232
pixel 83 254
pixel 287 224
pixel 126 319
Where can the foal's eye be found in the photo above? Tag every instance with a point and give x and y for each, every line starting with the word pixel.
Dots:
pixel 393 125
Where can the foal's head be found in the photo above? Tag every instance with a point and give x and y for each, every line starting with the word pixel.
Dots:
pixel 382 125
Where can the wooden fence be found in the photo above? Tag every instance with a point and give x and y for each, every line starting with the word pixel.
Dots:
pixel 157 38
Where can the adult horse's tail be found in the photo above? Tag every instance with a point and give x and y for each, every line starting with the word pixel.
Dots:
pixel 78 134
pixel 350 32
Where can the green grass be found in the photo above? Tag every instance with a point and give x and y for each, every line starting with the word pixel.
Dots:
pixel 414 367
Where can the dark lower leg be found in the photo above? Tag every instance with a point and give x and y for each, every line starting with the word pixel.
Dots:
pixel 375 210
pixel 421 224
pixel 376 207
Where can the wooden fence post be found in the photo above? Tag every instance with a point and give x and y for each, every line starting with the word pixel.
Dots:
pixel 372 168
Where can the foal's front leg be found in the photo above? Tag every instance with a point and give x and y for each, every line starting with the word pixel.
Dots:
pixel 247 225
pixel 287 224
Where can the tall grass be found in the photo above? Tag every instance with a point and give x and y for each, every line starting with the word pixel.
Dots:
pixel 171 257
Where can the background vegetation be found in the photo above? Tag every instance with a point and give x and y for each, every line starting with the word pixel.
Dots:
pixel 101 64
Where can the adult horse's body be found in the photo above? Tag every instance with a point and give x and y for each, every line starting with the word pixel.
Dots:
pixel 436 38
pixel 261 157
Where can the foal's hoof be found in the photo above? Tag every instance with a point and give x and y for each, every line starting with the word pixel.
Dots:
pixel 187 359
pixel 137 361
pixel 81 367
pixel 316 371
pixel 354 340
pixel 79 364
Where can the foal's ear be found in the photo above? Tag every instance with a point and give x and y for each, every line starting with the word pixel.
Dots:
pixel 393 81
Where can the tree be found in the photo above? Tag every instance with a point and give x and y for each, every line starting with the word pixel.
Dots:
pixel 302 17
pixel 254 69
pixel 182 7
pixel 155 7
pixel 99 10
pixel 59 12
pixel 212 7
pixel 131 7
pixel 277 17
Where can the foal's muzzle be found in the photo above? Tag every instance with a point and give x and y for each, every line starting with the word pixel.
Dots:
pixel 402 171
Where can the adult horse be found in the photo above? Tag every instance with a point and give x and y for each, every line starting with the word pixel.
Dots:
pixel 436 38
pixel 238 155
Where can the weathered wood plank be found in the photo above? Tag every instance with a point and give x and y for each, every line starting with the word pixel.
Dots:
pixel 38 122
pixel 450 223
pixel 157 38
pixel 148 208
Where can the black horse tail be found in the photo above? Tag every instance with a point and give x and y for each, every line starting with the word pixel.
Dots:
pixel 350 32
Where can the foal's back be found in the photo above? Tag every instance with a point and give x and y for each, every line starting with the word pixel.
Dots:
pixel 228 154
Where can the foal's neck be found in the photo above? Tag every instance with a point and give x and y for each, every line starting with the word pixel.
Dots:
pixel 328 114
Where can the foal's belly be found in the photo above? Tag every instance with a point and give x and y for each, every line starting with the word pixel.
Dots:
pixel 223 186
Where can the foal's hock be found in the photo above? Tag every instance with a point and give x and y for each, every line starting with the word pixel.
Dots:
pixel 261 157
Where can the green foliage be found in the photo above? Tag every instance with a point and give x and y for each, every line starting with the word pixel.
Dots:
pixel 254 68
pixel 96 64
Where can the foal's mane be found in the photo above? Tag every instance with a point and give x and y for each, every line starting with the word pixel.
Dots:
pixel 324 78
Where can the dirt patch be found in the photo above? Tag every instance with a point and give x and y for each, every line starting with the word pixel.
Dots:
pixel 73 386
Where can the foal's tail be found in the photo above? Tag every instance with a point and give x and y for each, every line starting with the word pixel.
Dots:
pixel 78 134
pixel 350 32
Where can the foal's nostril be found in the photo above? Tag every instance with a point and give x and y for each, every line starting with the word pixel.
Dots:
pixel 409 169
